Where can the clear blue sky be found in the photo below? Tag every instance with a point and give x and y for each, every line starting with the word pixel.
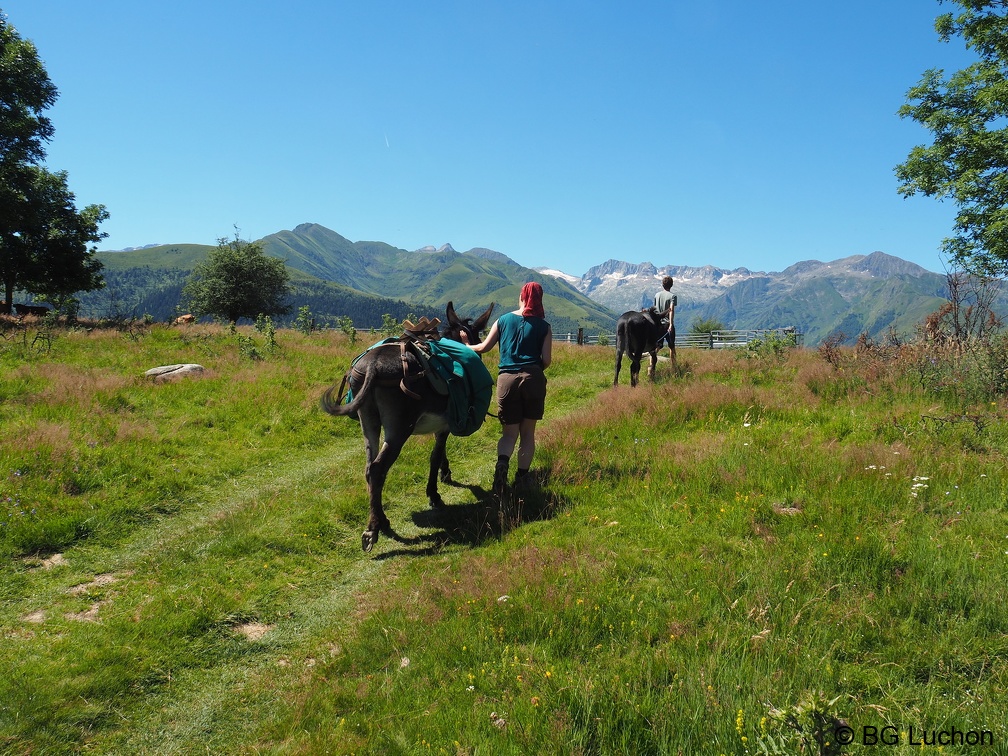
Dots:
pixel 561 133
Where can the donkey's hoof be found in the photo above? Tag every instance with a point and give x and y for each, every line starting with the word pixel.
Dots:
pixel 368 539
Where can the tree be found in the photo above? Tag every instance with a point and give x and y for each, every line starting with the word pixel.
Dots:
pixel 706 325
pixel 25 93
pixel 238 280
pixel 43 237
pixel 49 256
pixel 968 161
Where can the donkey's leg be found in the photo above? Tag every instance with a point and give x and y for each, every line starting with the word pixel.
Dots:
pixel 438 461
pixel 654 361
pixel 445 469
pixel 379 458
pixel 376 474
pixel 634 369
pixel 619 361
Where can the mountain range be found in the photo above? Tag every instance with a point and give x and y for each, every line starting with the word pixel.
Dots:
pixel 368 279
pixel 858 294
pixel 335 277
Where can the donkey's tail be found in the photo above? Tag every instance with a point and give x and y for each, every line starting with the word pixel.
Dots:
pixel 332 399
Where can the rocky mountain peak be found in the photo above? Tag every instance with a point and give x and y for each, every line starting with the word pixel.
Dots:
pixel 431 249
pixel 619 268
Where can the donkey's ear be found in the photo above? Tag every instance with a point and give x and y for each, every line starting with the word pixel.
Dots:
pixel 453 319
pixel 481 321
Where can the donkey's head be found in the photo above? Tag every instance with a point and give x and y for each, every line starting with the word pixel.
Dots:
pixel 456 326
pixel 652 314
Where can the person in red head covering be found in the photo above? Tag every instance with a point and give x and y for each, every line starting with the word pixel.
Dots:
pixel 526 350
pixel 530 300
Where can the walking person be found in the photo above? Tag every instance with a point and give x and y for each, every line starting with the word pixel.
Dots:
pixel 526 349
pixel 665 303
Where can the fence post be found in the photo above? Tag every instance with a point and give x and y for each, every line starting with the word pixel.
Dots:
pixel 580 337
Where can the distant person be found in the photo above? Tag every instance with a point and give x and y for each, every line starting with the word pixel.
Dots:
pixel 526 349
pixel 665 303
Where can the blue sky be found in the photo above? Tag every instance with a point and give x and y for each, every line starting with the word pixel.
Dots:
pixel 563 134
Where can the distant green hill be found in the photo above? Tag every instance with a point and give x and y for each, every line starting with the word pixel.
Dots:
pixel 430 279
pixel 879 296
pixel 149 281
pixel 335 277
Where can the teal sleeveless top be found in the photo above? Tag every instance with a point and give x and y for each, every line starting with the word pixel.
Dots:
pixel 521 341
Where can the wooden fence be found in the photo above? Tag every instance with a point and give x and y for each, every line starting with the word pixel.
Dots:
pixel 712 340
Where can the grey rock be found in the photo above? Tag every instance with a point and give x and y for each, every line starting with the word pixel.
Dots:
pixel 173 372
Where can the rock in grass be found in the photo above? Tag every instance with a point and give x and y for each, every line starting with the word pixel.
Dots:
pixel 172 372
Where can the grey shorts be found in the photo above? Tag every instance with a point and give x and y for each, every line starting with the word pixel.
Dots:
pixel 521 396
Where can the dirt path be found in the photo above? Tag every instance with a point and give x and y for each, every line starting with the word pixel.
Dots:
pixel 69 596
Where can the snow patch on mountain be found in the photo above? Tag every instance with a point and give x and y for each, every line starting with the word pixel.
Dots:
pixel 572 280
pixel 623 286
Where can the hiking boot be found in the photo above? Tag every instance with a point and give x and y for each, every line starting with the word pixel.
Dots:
pixel 500 478
pixel 524 481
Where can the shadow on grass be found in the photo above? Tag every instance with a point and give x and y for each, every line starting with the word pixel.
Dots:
pixel 483 519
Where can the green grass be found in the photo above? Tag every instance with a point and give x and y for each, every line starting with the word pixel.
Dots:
pixel 741 537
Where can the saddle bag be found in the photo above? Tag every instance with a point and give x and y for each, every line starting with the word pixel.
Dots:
pixel 470 386
pixel 453 370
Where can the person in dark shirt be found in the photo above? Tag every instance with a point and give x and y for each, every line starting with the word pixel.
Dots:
pixel 526 349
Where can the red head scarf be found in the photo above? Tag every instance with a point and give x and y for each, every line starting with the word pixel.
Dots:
pixel 531 295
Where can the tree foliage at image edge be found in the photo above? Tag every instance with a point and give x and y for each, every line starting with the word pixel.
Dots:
pixel 968 161
pixel 43 237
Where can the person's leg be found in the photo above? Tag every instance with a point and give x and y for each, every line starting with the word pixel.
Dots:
pixel 533 409
pixel 509 412
pixel 505 447
pixel 526 451
pixel 508 440
pixel 526 445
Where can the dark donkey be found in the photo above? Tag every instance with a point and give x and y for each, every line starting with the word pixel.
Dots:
pixel 637 333
pixel 392 396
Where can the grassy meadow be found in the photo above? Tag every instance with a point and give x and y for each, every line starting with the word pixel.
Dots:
pixel 757 548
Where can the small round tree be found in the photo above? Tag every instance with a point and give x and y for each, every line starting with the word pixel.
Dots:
pixel 238 280
pixel 706 325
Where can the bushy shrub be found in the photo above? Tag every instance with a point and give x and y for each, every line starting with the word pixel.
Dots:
pixel 962 371
pixel 774 344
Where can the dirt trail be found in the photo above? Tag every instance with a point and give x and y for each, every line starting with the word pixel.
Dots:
pixel 208 507
pixel 67 581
